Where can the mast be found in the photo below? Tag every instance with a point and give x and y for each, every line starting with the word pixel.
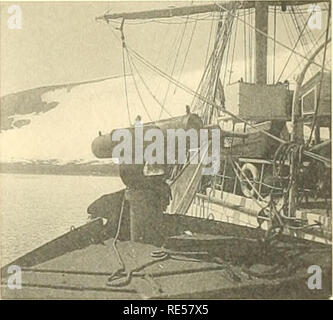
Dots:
pixel 261 24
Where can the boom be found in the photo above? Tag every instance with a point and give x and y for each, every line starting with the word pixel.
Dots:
pixel 196 9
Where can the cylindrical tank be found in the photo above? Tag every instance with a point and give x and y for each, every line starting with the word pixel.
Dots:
pixel 102 146
pixel 148 196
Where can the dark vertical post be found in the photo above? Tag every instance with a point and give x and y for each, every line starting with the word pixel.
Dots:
pixel 146 215
pixel 261 23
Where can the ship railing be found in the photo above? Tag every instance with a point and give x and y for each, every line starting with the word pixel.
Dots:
pixel 220 180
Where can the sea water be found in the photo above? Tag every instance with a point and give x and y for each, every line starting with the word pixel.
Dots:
pixel 35 209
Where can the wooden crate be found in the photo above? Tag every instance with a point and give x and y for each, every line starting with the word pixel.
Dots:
pixel 256 145
pixel 259 102
pixel 309 94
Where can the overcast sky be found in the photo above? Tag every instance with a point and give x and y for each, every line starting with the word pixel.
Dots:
pixel 61 42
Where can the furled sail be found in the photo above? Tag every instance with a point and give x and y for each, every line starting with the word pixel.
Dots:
pixel 211 88
pixel 184 188
pixel 210 85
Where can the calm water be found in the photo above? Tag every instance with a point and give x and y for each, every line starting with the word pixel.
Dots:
pixel 37 208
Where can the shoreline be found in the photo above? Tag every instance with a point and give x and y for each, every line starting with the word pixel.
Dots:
pixel 102 170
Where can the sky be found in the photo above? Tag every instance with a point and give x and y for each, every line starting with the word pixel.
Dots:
pixel 61 42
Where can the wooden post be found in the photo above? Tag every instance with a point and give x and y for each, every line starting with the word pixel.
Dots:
pixel 292 191
pixel 146 216
pixel 261 23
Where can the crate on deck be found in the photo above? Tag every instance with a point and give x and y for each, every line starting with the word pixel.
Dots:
pixel 259 102
pixel 256 144
pixel 309 95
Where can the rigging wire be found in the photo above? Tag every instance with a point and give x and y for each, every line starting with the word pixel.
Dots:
pixel 295 45
pixel 309 33
pixel 124 76
pixel 147 87
pixel 195 94
pixel 209 39
pixel 233 52
pixel 289 29
pixel 114 244
pixel 186 54
pixel 211 75
pixel 301 11
pixel 298 28
pixel 250 44
pixel 227 57
pixel 144 83
pixel 155 69
pixel 269 37
pixel 162 48
pixel 314 120
pixel 173 67
pixel 312 49
pixel 289 34
pixel 225 65
pixel 136 87
pixel 125 85
pixel 274 45
pixel 245 47
pixel 168 62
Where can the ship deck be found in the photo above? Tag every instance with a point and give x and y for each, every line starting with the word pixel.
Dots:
pixel 83 273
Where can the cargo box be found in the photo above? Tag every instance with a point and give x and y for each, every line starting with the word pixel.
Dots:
pixel 259 102
pixel 309 95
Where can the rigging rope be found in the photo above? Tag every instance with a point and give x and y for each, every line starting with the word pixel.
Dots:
pixel 136 87
pixel 174 66
pixel 144 83
pixel 233 52
pixel 147 87
pixel 195 94
pixel 186 53
pixel 298 28
pixel 168 62
pixel 114 244
pixel 250 44
pixel 274 45
pixel 309 33
pixel 314 120
pixel 125 84
pixel 268 36
pixel 290 36
pixel 209 38
pixel 245 47
pixel 312 50
pixel 227 57
pixel 295 45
